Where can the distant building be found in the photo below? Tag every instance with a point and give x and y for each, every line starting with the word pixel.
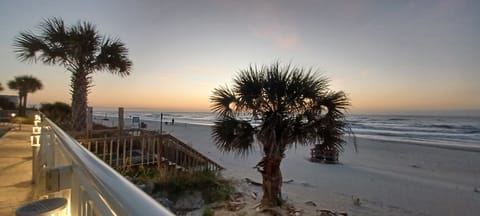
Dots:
pixel 7 102
pixel 6 108
pixel 11 98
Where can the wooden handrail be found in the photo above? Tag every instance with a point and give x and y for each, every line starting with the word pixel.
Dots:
pixel 184 155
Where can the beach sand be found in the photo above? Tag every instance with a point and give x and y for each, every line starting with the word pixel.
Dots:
pixel 388 178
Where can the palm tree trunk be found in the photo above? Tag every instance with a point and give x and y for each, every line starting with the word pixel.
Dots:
pixel 21 98
pixel 272 182
pixel 19 108
pixel 24 106
pixel 79 101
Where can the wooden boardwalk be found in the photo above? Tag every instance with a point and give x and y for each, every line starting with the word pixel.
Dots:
pixel 16 188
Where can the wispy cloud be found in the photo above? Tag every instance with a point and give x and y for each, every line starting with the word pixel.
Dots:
pixel 281 38
pixel 268 21
pixel 271 24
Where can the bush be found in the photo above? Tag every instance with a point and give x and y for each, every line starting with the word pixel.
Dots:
pixel 58 112
pixel 208 212
pixel 141 174
pixel 212 186
pixel 24 120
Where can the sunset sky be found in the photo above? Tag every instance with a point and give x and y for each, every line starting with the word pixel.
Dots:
pixel 389 56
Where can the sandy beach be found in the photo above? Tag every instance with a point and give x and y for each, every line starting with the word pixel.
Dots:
pixel 388 177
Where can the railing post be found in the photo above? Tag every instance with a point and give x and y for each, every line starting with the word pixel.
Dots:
pixel 120 120
pixel 75 196
pixel 89 121
pixel 89 185
pixel 35 143
pixel 159 151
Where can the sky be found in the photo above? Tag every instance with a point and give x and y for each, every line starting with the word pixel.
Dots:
pixel 387 55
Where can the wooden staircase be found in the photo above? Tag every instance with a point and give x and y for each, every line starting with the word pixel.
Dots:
pixel 138 147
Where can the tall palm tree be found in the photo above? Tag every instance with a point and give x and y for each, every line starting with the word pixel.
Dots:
pixel 290 102
pixel 81 50
pixel 24 85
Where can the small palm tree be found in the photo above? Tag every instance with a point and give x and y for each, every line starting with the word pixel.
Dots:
pixel 334 127
pixel 290 102
pixel 24 85
pixel 81 50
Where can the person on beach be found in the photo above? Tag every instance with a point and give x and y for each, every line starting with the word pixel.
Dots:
pixel 173 121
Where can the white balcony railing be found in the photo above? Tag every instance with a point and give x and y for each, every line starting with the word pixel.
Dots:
pixel 64 168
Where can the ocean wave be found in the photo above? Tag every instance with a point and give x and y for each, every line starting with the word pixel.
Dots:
pixel 437 129
pixel 397 119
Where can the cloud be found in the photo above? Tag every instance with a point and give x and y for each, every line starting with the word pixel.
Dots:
pixel 271 24
pixel 288 41
pixel 269 21
pixel 280 38
pixel 365 73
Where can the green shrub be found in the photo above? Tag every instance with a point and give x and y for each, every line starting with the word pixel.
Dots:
pixel 208 212
pixel 141 174
pixel 24 120
pixel 212 186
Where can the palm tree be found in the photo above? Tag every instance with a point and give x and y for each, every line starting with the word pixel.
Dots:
pixel 81 50
pixel 24 85
pixel 334 127
pixel 290 102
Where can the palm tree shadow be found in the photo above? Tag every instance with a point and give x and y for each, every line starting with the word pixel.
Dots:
pixel 23 184
pixel 15 164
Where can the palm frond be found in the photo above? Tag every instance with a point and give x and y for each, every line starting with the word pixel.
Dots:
pixel 27 45
pixel 54 34
pixel 113 57
pixel 25 83
pixel 294 103
pixel 336 102
pixel 224 102
pixel 232 135
pixel 333 123
pixel 248 86
pixel 84 43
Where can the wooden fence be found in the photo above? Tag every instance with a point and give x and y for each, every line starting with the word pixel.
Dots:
pixel 137 148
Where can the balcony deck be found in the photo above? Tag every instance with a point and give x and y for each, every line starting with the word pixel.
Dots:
pixel 16 186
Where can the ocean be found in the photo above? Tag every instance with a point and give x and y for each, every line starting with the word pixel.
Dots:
pixel 436 130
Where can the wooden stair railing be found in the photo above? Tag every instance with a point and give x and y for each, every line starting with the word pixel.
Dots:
pixel 125 151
